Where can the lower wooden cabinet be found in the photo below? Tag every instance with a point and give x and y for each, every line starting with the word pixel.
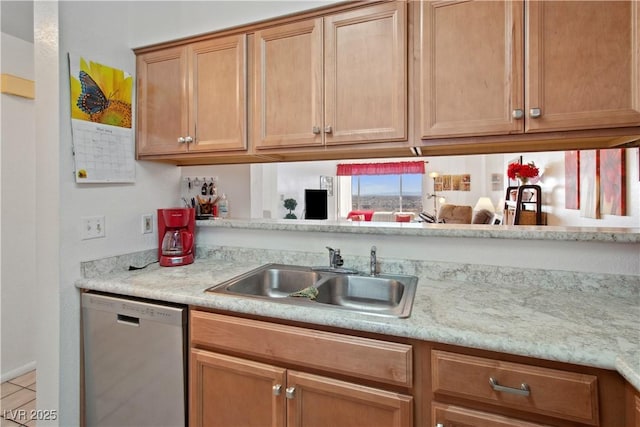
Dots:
pixel 550 392
pixel 320 401
pixel 248 372
pixel 229 391
pixel 455 416
pixel 632 406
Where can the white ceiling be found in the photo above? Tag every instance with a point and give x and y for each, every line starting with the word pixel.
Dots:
pixel 17 18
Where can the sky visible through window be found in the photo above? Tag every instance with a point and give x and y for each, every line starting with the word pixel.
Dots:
pixel 382 192
pixel 387 185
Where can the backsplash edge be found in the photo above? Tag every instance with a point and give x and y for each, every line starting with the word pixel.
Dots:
pixel 617 285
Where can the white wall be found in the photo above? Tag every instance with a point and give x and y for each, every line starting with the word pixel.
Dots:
pixel 47 129
pixel 105 32
pixel 265 201
pixel 18 215
pixel 480 169
pixel 582 256
pixel 233 181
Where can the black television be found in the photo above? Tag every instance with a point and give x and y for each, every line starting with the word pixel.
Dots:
pixel 315 204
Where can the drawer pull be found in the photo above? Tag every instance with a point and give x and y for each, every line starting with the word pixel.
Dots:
pixel 522 391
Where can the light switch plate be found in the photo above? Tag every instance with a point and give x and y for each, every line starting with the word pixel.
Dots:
pixel 147 223
pixel 93 227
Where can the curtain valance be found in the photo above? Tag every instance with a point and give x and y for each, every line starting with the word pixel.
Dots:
pixel 389 168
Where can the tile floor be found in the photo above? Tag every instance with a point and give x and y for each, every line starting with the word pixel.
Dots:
pixel 18 400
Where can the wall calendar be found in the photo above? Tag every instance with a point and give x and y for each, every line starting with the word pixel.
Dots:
pixel 103 145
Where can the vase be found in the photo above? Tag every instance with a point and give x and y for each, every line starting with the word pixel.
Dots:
pixel 524 181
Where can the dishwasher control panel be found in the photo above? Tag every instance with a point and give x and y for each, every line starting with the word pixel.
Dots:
pixel 134 309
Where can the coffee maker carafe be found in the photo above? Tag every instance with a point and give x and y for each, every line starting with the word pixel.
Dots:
pixel 176 233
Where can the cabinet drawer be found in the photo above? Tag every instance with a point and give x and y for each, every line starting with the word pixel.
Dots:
pixel 449 415
pixel 360 357
pixel 560 394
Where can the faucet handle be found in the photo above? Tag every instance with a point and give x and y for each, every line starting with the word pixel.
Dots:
pixel 335 260
pixel 373 262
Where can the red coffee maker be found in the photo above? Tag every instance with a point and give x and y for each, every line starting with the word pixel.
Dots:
pixel 176 235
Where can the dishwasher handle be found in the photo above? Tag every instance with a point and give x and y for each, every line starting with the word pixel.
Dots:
pixel 123 319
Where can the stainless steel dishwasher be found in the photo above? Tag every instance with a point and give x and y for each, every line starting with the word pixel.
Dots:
pixel 134 362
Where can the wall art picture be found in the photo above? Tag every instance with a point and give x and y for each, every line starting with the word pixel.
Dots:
pixel 613 180
pixel 590 184
pixel 326 183
pixel 496 182
pixel 465 182
pixel 100 94
pixel 446 183
pixel 453 182
pixel 571 179
pixel 438 183
pixel 456 180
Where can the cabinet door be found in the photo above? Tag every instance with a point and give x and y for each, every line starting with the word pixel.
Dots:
pixel 229 392
pixel 583 64
pixel 319 401
pixel 217 86
pixel 453 416
pixel 162 114
pixel 287 80
pixel 366 75
pixel 470 69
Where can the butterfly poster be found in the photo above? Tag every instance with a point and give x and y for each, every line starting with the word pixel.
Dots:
pixel 101 119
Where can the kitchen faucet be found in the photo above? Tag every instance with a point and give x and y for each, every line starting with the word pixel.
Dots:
pixel 335 260
pixel 373 262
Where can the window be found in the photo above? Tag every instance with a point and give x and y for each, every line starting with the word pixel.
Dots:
pixel 398 193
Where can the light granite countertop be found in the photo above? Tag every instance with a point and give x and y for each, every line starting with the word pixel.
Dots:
pixel 587 234
pixel 576 326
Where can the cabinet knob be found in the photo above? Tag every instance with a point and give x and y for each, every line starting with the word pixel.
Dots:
pixel 439 425
pixel 517 114
pixel 535 113
pixel 290 392
pixel 328 129
pixel 188 140
pixel 277 389
pixel 181 140
pixel 316 130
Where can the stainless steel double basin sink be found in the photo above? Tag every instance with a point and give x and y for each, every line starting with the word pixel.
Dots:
pixel 384 295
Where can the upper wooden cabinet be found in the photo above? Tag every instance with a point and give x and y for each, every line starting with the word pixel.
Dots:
pixel 340 79
pixel 470 67
pixel 288 82
pixel 162 101
pixel 485 69
pixel 582 65
pixel 193 98
pixel 337 82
